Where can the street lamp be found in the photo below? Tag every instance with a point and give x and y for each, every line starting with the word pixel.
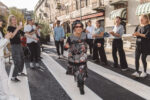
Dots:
pixel 80 11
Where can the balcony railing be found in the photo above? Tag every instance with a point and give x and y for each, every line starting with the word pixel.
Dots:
pixel 98 5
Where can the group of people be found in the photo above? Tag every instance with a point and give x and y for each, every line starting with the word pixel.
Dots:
pixel 19 37
pixel 79 41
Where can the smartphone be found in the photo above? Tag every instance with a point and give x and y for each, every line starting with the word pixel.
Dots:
pixel 20 23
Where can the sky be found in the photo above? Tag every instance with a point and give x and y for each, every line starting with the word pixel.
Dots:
pixel 29 4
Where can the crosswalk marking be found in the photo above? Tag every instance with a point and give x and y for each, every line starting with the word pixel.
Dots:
pixel 66 81
pixel 109 57
pixel 131 63
pixel 133 86
pixel 20 89
pixel 125 82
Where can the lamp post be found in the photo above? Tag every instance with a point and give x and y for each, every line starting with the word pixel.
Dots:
pixel 80 11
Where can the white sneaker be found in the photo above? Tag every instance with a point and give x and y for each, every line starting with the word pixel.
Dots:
pixel 143 74
pixel 31 65
pixel 37 65
pixel 136 74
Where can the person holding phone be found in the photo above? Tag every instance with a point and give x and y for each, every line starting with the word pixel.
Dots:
pixel 59 35
pixel 17 51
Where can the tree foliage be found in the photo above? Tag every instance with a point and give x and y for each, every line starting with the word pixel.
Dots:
pixel 19 15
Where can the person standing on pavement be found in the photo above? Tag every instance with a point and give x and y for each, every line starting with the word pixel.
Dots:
pixel 38 34
pixel 98 48
pixel 59 35
pixel 17 51
pixel 4 88
pixel 117 45
pixel 89 31
pixel 142 32
pixel 32 41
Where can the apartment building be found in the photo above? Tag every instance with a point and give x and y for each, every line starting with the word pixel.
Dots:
pixel 3 9
pixel 103 10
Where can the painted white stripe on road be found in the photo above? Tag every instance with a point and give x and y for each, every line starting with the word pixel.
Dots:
pixel 66 81
pixel 125 82
pixel 133 86
pixel 20 89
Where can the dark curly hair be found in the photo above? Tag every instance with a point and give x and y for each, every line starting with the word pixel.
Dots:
pixel 77 22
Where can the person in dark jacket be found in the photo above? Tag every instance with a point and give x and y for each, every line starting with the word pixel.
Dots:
pixel 142 32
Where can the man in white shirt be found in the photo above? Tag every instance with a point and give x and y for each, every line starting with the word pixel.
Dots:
pixel 89 31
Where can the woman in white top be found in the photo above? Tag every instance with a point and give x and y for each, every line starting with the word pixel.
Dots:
pixel 32 42
pixel 4 89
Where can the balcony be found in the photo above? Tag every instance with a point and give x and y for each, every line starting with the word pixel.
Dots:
pixel 117 2
pixel 98 5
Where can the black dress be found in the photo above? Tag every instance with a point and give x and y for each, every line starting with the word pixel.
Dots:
pixel 144 42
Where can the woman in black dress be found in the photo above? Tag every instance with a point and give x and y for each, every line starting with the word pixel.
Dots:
pixel 142 32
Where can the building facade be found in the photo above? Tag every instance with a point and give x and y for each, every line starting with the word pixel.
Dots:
pixel 4 11
pixel 103 10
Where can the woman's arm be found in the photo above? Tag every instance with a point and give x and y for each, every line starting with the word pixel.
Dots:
pixel 16 31
pixel 5 41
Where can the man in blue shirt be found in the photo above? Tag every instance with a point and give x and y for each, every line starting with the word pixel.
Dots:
pixel 59 35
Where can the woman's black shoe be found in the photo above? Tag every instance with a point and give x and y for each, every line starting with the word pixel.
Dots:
pixel 82 90
pixel 15 79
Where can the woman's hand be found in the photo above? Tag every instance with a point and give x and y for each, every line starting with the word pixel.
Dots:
pixel 136 34
pixel 94 35
pixel 67 46
pixel 19 27
pixel 8 35
pixel 112 33
pixel 99 44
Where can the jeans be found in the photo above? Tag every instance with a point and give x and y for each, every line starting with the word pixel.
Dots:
pixel 58 45
pixel 18 58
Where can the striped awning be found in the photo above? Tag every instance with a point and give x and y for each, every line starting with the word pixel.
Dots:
pixel 122 12
pixel 143 9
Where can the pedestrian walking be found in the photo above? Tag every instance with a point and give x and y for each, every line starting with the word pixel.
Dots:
pixel 77 57
pixel 59 35
pixel 142 33
pixel 117 45
pixel 98 48
pixel 17 51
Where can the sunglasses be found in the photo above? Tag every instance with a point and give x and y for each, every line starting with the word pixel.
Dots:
pixel 78 26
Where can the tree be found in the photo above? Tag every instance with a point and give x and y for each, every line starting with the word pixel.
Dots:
pixel 18 14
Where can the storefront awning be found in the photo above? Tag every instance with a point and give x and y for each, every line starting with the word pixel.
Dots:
pixel 122 12
pixel 143 9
